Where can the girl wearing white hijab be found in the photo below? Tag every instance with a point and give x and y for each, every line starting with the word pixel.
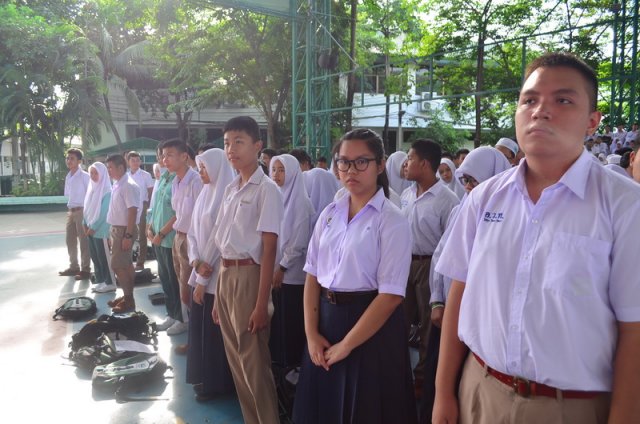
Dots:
pixel 207 366
pixel 395 162
pixel 321 186
pixel 479 165
pixel 447 173
pixel 287 326
pixel 96 206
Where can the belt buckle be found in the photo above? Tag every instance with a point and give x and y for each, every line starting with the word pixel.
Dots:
pixel 522 386
pixel 331 296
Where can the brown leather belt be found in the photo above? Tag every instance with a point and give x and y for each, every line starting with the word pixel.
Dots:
pixel 525 388
pixel 420 257
pixel 339 298
pixel 79 208
pixel 227 263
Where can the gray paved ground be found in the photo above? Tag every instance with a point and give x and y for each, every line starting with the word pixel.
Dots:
pixel 38 385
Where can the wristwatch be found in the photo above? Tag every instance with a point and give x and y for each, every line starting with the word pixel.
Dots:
pixel 128 235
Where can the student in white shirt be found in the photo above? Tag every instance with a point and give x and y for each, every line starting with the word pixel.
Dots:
pixel 287 326
pixel 246 233
pixel 76 184
pixel 123 216
pixel 549 331
pixel 144 180
pixel 426 204
pixel 185 189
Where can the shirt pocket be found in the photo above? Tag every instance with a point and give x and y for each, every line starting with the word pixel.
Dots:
pixel 578 266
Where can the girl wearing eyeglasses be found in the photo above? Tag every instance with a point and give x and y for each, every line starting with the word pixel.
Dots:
pixel 356 366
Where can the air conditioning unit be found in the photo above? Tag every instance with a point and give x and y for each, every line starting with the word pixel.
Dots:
pixel 426 95
pixel 425 107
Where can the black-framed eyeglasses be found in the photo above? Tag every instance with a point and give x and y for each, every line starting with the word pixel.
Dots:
pixel 360 164
pixel 468 179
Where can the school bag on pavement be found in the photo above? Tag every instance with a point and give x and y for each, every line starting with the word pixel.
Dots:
pixel 126 376
pixel 76 308
pixel 127 326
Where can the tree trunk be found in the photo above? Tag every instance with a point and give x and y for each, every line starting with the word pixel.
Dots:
pixel 387 107
pixel 23 157
pixel 110 123
pixel 15 164
pixel 351 80
pixel 479 88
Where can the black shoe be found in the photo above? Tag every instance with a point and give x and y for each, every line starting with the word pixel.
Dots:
pixel 205 397
pixel 198 388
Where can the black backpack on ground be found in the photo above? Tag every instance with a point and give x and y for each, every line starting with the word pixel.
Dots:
pixel 128 326
pixel 76 308
pixel 129 375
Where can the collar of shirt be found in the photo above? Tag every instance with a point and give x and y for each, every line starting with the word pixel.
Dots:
pixel 254 179
pixel 375 202
pixel 188 176
pixel 575 179
pixel 120 182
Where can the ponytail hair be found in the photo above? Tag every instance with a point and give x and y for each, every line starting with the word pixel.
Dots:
pixel 374 144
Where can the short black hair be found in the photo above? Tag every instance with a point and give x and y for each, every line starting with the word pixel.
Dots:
pixel 243 123
pixel 205 147
pixel 302 156
pixel 117 160
pixel 428 150
pixel 191 152
pixel 133 154
pixel 568 60
pixel 322 159
pixel 179 145
pixel 461 152
pixel 447 155
pixel 269 152
pixel 76 152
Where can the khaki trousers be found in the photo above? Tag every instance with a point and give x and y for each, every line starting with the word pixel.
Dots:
pixel 248 354
pixel 485 400
pixel 75 233
pixel 142 238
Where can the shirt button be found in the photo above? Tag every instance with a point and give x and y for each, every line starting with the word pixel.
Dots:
pixel 535 221
pixel 514 327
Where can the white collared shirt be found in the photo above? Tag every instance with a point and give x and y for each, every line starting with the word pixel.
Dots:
pixel 184 194
pixel 75 187
pixel 428 215
pixel 125 194
pixel 144 181
pixel 370 252
pixel 245 214
pixel 539 301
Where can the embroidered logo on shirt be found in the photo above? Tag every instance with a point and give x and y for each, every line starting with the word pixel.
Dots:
pixel 493 217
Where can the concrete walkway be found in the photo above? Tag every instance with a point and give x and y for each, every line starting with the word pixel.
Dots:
pixel 38 384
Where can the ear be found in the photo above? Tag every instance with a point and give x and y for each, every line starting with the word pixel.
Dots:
pixel 594 121
pixel 382 166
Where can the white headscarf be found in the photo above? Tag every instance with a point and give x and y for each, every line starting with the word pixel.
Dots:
pixel 205 210
pixel 454 185
pixel 321 186
pixel 485 163
pixel 394 171
pixel 95 193
pixel 297 205
pixel 617 169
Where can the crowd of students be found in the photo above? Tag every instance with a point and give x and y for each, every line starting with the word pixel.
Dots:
pixel 512 263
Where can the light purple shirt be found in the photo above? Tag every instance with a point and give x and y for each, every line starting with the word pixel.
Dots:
pixel 371 252
pixel 245 214
pixel 540 302
pixel 184 194
pixel 125 194
pixel 428 215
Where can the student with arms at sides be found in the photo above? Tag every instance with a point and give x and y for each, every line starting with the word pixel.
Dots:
pixel 287 325
pixel 207 366
pixel 246 233
pixel 545 331
pixel 96 207
pixel 356 367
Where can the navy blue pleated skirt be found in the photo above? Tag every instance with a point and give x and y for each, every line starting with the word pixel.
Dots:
pixel 206 359
pixel 373 385
pixel 287 337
